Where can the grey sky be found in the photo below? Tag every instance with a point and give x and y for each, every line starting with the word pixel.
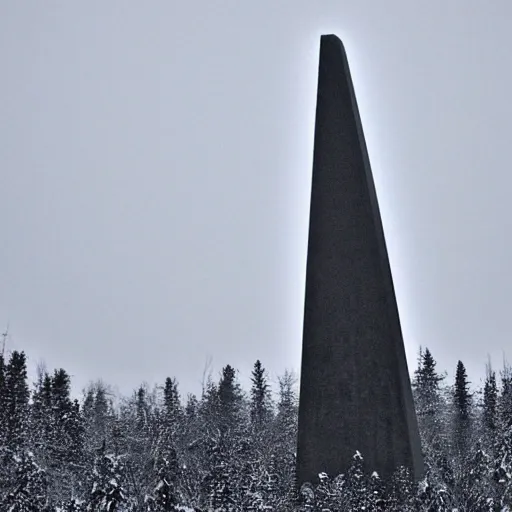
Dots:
pixel 155 167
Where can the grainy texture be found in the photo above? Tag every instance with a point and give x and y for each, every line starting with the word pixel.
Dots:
pixel 355 389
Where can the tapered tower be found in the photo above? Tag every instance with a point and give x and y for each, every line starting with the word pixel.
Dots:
pixel 355 391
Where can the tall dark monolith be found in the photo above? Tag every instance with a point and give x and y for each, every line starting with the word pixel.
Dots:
pixel 355 391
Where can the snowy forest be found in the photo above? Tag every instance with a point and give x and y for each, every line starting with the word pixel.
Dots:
pixel 233 449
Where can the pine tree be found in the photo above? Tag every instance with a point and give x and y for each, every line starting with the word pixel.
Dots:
pixel 171 421
pixel 325 497
pixel 476 492
pixel 284 432
pixel 490 404
pixel 357 496
pixel 42 418
pixel 3 400
pixel 433 426
pixel 138 419
pixel 426 386
pixel 17 396
pixel 462 402
pixel 62 413
pixel 101 412
pixel 229 399
pixel 97 415
pixel 261 408
pixel 209 408
pixel 503 441
pixel 269 483
pixel 165 496
pixel 107 491
pixel 402 492
pixel 172 405
pixel 434 497
pixel 75 431
pixel 218 489
pixel 57 435
pixel 505 402
pixel 191 407
pixel 28 487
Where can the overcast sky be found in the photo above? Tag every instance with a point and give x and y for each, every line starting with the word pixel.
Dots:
pixel 155 172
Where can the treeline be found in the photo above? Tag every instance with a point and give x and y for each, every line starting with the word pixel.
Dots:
pixel 231 450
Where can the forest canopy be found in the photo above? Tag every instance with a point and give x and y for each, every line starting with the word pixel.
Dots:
pixel 232 449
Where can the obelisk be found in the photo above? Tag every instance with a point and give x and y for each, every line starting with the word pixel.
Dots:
pixel 355 391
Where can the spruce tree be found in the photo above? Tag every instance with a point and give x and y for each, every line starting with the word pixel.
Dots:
pixel 402 492
pixel 167 467
pixel 191 407
pixel 428 402
pixel 3 400
pixel 17 396
pixel 28 485
pixel 462 402
pixel 505 401
pixel 357 496
pixel 426 386
pixel 172 406
pixel 284 432
pixel 42 418
pixel 108 493
pixel 101 417
pixel 325 498
pixel 218 490
pixel 477 489
pixel 261 408
pixel 165 494
pixel 62 413
pixel 503 441
pixel 490 402
pixel 138 419
pixel 229 399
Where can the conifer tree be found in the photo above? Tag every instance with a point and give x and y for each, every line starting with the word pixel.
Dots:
pixel 357 496
pixel 75 429
pixel 490 402
pixel 17 396
pixel 172 406
pixel 476 491
pixel 402 495
pixel 98 415
pixel 167 467
pixel 28 487
pixel 325 498
pixel 191 407
pixel 108 493
pixel 503 441
pixel 426 385
pixel 505 401
pixel 261 408
pixel 284 432
pixel 218 484
pixel 3 400
pixel 101 412
pixel 229 399
pixel 138 421
pixel 209 408
pixel 165 495
pixel 58 440
pixel 428 403
pixel 462 402
pixel 62 413
pixel 41 418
